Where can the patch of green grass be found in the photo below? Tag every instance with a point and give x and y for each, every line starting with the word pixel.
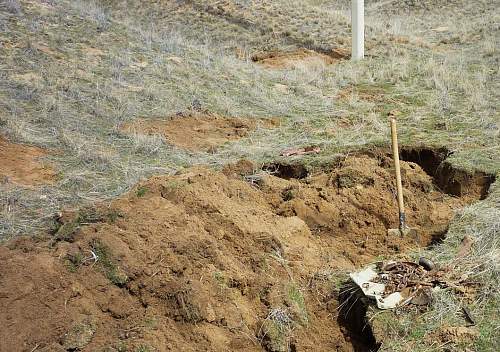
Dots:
pixel 142 191
pixel 174 184
pixel 151 323
pixel 337 278
pixel 276 336
pixel 296 298
pixel 66 231
pixel 417 333
pixel 113 215
pixel 74 261
pixel 220 279
pixel 488 326
pixel 120 347
pixel 85 215
pixel 289 194
pixel 106 262
pixel 80 335
pixel 276 330
pixel 144 348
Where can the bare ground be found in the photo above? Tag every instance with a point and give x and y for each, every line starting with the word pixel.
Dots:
pixel 205 260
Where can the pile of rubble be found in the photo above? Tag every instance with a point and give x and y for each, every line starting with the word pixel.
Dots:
pixel 395 284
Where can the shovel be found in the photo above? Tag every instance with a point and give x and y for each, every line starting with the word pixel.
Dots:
pixel 403 229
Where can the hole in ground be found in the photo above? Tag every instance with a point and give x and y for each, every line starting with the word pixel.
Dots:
pixel 448 178
pixel 352 203
pixel 281 59
pixel 352 318
pixel 287 171
pixel 356 195
pixel 438 237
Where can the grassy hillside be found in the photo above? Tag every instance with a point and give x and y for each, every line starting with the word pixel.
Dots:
pixel 72 72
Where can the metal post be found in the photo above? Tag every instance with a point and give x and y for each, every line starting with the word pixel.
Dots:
pixel 358 29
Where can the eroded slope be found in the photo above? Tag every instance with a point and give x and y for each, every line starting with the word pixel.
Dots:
pixel 204 260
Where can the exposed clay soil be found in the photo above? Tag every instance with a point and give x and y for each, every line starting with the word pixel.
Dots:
pixel 280 59
pixel 197 131
pixel 199 260
pixel 21 164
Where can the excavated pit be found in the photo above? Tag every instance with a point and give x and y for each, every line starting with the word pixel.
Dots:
pixel 353 306
pixel 449 179
pixel 287 171
pixel 427 177
pixel 299 57
pixel 455 182
pixel 207 260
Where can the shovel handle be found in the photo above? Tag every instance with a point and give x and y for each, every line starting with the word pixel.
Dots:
pixel 395 154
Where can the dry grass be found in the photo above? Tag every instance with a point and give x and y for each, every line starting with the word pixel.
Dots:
pixel 414 331
pixel 72 72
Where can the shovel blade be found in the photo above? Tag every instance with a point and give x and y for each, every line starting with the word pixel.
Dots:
pixel 405 233
pixel 394 232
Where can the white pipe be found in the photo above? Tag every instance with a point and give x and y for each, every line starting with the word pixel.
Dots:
pixel 358 29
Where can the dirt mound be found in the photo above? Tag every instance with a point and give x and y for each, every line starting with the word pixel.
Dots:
pixel 355 202
pixel 201 261
pixel 242 167
pixel 196 130
pixel 20 164
pixel 279 59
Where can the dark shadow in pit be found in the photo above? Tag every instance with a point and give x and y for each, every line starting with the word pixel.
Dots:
pixel 287 171
pixel 438 238
pixel 449 179
pixel 352 318
pixel 428 159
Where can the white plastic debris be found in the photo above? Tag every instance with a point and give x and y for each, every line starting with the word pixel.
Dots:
pixel 376 290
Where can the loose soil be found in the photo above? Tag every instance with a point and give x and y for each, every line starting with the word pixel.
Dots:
pixel 206 261
pixel 198 131
pixel 291 59
pixel 21 164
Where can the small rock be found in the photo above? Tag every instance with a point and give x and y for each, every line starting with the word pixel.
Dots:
pixel 281 88
pixel 440 29
pixel 175 59
pixel 427 264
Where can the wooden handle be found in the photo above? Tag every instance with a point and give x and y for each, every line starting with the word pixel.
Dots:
pixel 395 154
